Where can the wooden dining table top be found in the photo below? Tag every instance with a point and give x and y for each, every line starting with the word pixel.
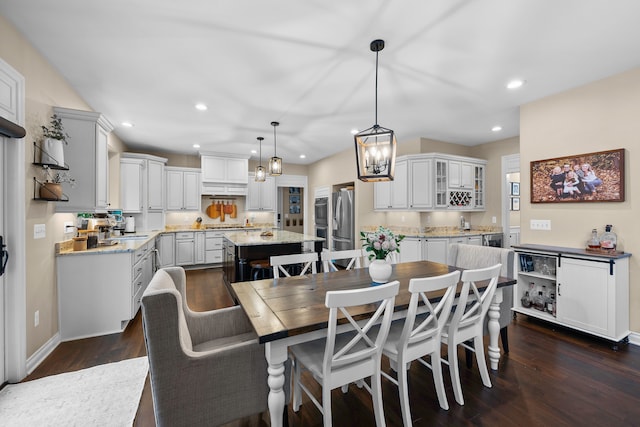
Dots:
pixel 287 306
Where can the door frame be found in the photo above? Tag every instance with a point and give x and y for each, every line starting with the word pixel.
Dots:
pixel 14 223
pixel 510 164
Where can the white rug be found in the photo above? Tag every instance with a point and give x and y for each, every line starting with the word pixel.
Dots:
pixel 105 395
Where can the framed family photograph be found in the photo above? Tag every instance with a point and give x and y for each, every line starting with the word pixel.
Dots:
pixel 590 177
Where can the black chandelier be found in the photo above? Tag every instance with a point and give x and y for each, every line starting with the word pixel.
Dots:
pixel 376 146
pixel 275 163
pixel 261 173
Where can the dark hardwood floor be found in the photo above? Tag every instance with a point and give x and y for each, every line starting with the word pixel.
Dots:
pixel 551 377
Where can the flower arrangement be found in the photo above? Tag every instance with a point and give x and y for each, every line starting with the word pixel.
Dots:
pixel 59 177
pixel 380 243
pixel 55 130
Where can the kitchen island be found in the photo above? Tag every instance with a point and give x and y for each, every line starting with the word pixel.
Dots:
pixel 242 247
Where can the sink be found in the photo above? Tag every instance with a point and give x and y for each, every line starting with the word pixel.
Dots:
pixel 133 237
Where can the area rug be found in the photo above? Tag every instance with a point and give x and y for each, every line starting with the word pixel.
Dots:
pixel 105 395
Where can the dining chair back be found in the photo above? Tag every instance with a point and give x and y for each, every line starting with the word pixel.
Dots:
pixel 328 257
pixel 467 321
pixel 352 348
pixel 419 336
pixel 307 261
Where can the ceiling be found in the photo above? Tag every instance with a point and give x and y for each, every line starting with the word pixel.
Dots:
pixel 307 64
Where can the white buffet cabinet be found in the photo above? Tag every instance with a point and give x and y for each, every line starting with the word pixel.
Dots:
pixel 591 290
pixel 99 291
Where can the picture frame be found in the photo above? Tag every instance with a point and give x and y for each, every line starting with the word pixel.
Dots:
pixel 294 200
pixel 589 177
pixel 515 188
pixel 515 204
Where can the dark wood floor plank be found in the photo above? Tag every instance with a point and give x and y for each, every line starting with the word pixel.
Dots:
pixel 551 377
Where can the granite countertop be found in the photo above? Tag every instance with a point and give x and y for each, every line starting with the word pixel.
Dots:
pixel 253 238
pixel 126 243
pixel 444 232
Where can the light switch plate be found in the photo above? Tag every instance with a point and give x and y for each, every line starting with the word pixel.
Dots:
pixel 39 231
pixel 540 224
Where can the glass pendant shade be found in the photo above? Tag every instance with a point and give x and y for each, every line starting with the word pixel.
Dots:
pixel 275 163
pixel 375 154
pixel 261 173
pixel 376 146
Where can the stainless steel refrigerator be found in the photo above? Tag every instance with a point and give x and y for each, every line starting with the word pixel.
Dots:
pixel 343 236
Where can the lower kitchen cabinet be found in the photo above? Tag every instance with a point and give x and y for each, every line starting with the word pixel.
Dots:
pixel 581 290
pixel 424 249
pixel 166 245
pixel 99 293
pixel 185 248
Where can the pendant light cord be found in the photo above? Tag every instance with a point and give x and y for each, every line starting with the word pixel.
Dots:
pixel 275 148
pixel 376 122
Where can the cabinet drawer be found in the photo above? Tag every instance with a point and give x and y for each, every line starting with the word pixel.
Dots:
pixel 214 257
pixel 212 243
pixel 184 235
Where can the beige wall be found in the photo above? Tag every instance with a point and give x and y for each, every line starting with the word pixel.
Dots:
pixel 45 88
pixel 595 117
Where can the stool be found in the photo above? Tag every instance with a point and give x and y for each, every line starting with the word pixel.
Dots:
pixel 260 269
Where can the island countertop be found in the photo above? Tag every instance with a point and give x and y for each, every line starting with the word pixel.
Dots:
pixel 254 238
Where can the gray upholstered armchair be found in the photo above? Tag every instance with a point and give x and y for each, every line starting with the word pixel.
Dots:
pixel 206 368
pixel 473 256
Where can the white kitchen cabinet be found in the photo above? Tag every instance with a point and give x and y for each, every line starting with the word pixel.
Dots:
pixel 214 247
pixel 183 188
pixel 220 169
pixel 591 291
pixel 437 250
pixel 393 194
pixel 199 248
pixel 478 187
pixel 474 240
pixel 261 196
pixel 411 249
pixel 514 236
pixel 155 184
pixel 185 248
pixel 131 185
pixel 441 199
pixel 165 244
pixel 424 249
pixel 460 174
pixel 99 293
pixel 420 184
pixel 88 158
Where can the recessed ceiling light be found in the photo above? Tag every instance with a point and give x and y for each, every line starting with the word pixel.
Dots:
pixel 515 84
pixel 354 131
pixel 254 152
pixel 496 128
pixel 201 107
pixel 127 124
pixel 303 156
pixel 196 145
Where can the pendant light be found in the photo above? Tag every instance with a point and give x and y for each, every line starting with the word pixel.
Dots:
pixel 275 163
pixel 260 170
pixel 376 146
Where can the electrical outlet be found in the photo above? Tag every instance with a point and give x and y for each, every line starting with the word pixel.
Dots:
pixel 540 224
pixel 36 318
pixel 494 220
pixel 39 231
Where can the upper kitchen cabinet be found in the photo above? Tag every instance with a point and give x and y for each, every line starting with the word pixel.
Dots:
pixel 261 195
pixel 183 188
pixel 88 158
pixel 225 170
pixel 420 183
pixel 141 182
pixel 393 194
pixel 465 184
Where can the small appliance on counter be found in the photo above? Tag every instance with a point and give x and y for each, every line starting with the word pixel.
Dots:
pixel 130 225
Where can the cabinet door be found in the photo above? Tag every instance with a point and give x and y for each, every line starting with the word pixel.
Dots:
pixel 175 185
pixel 584 295
pixel 420 185
pixel 474 240
pixel 166 249
pixel 382 195
pixel 102 168
pixel 268 194
pixel 410 250
pixel 237 171
pixel 441 184
pixel 460 174
pixel 155 185
pixel 200 247
pixel 185 252
pixel 399 186
pixel 131 186
pixel 478 187
pixel 213 169
pixel 436 250
pixel 191 191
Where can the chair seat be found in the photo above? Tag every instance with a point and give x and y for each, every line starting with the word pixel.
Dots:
pixel 224 342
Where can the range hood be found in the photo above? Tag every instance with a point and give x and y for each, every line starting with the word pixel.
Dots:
pixel 10 129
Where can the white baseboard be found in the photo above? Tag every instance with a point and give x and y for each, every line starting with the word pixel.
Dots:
pixel 42 353
pixel 634 338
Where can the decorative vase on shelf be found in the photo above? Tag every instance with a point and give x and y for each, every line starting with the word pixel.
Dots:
pixel 53 152
pixel 380 270
pixel 50 191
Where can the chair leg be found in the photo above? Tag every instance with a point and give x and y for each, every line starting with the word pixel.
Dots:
pixel 376 395
pixel 468 356
pixel 297 392
pixel 454 372
pixel 482 364
pixel 326 405
pixel 505 339
pixel 403 391
pixel 285 416
pixel 436 368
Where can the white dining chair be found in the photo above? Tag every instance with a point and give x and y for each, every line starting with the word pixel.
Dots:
pixel 351 355
pixel 467 321
pixel 307 259
pixel 329 257
pixel 416 337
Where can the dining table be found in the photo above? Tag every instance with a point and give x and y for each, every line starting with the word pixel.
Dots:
pixel 287 311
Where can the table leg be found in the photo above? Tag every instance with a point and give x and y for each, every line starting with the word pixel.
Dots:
pixel 276 354
pixel 494 330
